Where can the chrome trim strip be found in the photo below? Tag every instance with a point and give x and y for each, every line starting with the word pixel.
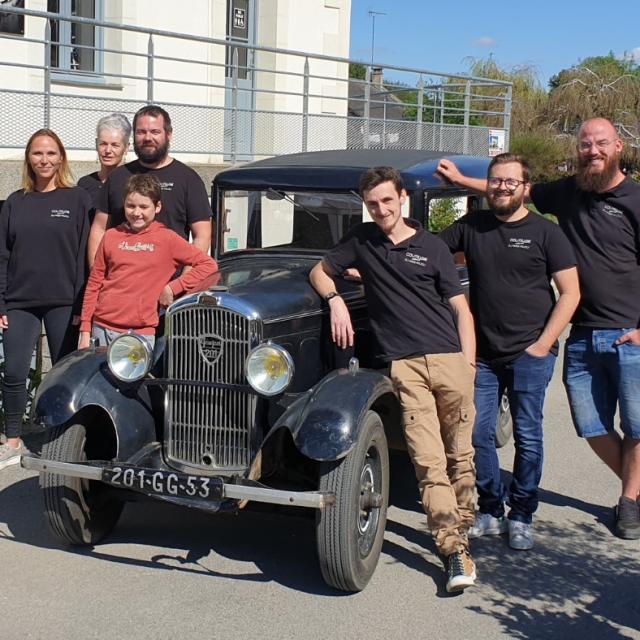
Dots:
pixel 62 468
pixel 309 499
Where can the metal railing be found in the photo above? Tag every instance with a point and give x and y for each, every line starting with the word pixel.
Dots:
pixel 278 101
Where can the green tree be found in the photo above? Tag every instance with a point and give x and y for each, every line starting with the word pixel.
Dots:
pixel 442 213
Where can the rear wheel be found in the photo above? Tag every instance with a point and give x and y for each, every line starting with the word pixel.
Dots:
pixel 77 509
pixel 350 533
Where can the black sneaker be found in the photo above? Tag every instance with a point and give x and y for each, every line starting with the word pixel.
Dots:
pixel 461 571
pixel 628 519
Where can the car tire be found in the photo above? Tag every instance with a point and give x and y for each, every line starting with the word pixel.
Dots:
pixel 75 508
pixel 350 532
pixel 504 424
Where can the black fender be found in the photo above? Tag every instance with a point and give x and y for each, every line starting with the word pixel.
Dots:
pixel 325 421
pixel 82 380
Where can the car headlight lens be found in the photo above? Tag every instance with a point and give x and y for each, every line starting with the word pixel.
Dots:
pixel 129 357
pixel 269 369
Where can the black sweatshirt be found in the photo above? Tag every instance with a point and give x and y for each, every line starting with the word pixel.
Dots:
pixel 43 241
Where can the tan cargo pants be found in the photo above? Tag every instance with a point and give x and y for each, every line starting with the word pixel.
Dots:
pixel 436 392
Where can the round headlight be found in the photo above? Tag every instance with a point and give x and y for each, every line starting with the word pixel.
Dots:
pixel 129 357
pixel 269 369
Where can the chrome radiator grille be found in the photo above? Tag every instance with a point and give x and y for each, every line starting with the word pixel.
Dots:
pixel 208 428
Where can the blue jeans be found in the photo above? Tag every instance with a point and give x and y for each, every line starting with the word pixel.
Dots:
pixel 525 380
pixel 598 374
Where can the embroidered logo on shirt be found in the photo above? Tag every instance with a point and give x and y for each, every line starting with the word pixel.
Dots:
pixel 414 258
pixel 138 246
pixel 519 243
pixel 60 213
pixel 612 211
pixel 166 186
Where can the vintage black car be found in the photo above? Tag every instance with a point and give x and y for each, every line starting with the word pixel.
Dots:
pixel 246 398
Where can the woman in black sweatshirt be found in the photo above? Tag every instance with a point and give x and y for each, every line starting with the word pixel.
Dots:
pixel 43 235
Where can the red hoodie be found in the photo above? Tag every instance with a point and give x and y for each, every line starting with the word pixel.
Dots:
pixel 130 272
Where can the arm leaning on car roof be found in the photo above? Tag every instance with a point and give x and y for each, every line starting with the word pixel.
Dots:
pixel 321 278
pixel 449 170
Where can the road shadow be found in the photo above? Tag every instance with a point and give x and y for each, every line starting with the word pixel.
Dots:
pixel 577 582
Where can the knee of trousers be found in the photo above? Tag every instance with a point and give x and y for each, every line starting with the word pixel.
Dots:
pixel 14 383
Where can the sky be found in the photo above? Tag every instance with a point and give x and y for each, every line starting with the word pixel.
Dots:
pixel 550 35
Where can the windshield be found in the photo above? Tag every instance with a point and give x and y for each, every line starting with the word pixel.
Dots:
pixel 287 219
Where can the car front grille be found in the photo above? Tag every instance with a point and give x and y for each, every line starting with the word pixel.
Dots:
pixel 209 428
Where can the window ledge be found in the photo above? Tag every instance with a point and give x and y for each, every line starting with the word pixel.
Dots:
pixel 85 80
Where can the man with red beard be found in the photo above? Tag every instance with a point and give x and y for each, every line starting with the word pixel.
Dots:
pixel 599 210
pixel 512 254
pixel 185 204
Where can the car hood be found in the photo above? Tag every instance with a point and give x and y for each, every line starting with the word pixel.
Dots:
pixel 265 287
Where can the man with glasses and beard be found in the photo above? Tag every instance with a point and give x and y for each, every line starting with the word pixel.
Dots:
pixel 185 205
pixel 599 210
pixel 512 255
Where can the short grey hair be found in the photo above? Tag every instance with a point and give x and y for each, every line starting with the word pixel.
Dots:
pixel 117 122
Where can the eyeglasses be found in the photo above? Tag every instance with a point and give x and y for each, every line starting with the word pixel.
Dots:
pixel 510 183
pixel 600 144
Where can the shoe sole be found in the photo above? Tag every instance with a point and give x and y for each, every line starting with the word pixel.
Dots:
pixel 628 535
pixel 8 463
pixel 461 583
pixel 487 532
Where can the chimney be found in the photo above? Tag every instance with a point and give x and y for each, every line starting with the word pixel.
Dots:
pixel 376 76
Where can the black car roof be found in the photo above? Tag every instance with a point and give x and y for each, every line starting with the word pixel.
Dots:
pixel 341 169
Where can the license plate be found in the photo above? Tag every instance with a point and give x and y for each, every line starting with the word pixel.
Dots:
pixel 168 483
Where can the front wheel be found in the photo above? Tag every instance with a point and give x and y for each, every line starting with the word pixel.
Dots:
pixel 350 533
pixel 77 509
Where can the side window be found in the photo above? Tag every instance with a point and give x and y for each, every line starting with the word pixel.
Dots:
pixel 444 210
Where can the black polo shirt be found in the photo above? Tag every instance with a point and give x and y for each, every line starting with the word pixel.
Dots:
pixel 407 287
pixel 604 231
pixel 510 267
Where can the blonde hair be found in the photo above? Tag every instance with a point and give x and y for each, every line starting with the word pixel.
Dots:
pixel 64 177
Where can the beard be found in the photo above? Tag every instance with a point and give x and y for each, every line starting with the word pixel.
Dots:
pixel 151 154
pixel 505 208
pixel 589 179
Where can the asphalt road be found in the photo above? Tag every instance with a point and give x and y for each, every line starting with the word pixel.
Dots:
pixel 173 573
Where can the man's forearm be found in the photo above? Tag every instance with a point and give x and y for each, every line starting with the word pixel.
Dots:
pixel 560 317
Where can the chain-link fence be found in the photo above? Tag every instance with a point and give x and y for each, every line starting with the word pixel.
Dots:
pixel 235 100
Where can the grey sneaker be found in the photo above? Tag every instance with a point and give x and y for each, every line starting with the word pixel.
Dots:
pixel 11 455
pixel 628 519
pixel 3 438
pixel 487 525
pixel 461 571
pixel 520 535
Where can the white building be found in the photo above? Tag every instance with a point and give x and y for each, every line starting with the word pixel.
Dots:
pixel 96 70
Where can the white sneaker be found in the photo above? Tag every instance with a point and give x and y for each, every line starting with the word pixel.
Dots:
pixel 11 455
pixel 487 525
pixel 520 535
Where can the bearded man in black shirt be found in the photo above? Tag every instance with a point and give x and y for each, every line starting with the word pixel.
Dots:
pixel 423 327
pixel 599 210
pixel 185 204
pixel 512 254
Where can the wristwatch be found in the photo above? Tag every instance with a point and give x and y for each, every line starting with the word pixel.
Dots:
pixel 333 294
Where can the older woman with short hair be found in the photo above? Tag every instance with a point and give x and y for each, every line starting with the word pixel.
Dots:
pixel 112 143
pixel 43 236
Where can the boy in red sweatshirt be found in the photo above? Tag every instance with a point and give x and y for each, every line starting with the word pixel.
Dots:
pixel 133 268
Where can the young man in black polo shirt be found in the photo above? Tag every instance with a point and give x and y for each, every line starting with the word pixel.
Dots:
pixel 599 210
pixel 424 328
pixel 512 254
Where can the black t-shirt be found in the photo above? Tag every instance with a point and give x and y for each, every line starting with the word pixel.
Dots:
pixel 604 231
pixel 43 244
pixel 184 198
pixel 93 185
pixel 510 266
pixel 407 287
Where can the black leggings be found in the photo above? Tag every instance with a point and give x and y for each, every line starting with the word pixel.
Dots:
pixel 19 341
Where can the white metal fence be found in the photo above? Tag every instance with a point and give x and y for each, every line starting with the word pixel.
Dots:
pixel 278 102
